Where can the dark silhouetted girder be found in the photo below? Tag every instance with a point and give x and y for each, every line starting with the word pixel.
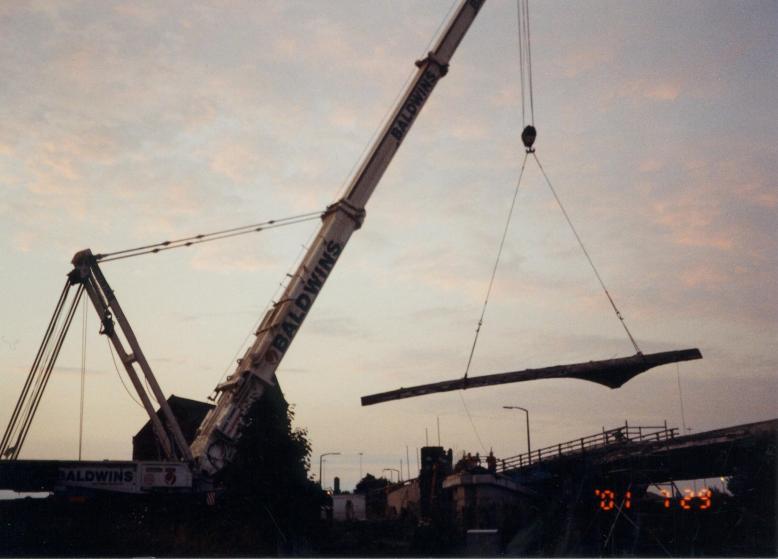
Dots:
pixel 611 372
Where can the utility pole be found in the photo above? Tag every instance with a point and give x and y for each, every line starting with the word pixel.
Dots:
pixel 526 411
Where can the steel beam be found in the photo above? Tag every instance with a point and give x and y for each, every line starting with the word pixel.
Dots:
pixel 611 372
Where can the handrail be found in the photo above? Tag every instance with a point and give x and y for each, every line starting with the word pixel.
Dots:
pixel 611 437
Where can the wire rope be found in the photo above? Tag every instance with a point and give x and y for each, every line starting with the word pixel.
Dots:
pixel 521 59
pixel 472 422
pixel 118 374
pixel 525 63
pixel 486 299
pixel 437 36
pixel 21 401
pixel 529 62
pixel 680 396
pixel 586 253
pixel 47 348
pixel 46 375
pixel 48 356
pixel 83 379
pixel 496 264
pixel 207 237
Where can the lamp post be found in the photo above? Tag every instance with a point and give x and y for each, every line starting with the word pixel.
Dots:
pixel 526 411
pixel 321 457
pixel 360 465
pixel 392 470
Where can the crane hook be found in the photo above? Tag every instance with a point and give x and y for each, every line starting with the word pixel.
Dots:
pixel 528 137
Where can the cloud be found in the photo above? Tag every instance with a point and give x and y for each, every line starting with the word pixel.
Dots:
pixel 235 161
pixel 146 14
pixel 24 241
pixel 704 276
pixel 586 59
pixel 644 88
pixel 342 327
pixel 688 222
pixel 77 370
pixel 226 264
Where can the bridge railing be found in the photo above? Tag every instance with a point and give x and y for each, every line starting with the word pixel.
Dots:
pixel 618 436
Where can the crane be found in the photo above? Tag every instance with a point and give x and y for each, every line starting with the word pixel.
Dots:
pixel 193 467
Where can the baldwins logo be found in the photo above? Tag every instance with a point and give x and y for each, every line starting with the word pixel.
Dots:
pixel 413 105
pixel 109 476
pixel 302 302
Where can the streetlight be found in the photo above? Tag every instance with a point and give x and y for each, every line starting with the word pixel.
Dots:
pixel 392 470
pixel 360 465
pixel 321 456
pixel 526 411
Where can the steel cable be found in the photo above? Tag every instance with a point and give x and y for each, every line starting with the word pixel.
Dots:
pixel 20 403
pixel 46 374
pixel 496 264
pixel 586 253
pixel 206 237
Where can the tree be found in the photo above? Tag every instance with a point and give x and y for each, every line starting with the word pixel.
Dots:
pixel 268 485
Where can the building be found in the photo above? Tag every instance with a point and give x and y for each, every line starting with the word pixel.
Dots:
pixel 347 507
pixel 189 413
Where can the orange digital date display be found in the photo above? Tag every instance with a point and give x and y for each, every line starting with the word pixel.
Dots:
pixel 608 499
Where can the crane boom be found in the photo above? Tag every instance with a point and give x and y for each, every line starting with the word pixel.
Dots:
pixel 219 432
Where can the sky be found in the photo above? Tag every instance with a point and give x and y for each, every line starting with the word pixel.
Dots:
pixel 125 123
